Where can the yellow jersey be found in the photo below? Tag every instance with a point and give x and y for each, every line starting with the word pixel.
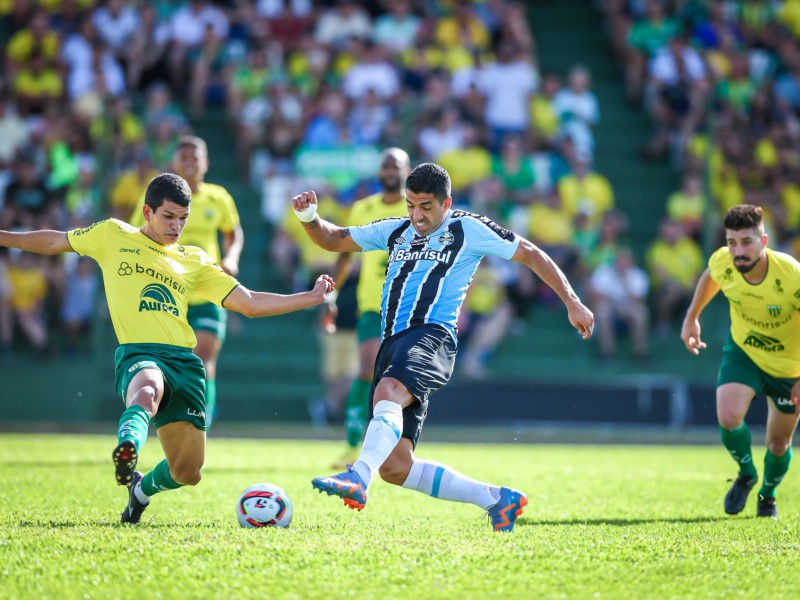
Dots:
pixel 213 211
pixel 147 285
pixel 764 319
pixel 373 263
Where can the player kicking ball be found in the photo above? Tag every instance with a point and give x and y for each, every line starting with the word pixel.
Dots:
pixel 433 254
pixel 148 279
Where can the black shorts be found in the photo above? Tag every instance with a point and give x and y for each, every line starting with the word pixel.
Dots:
pixel 422 359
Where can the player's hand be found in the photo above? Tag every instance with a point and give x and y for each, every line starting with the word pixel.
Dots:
pixel 323 287
pixel 582 319
pixel 690 334
pixel 304 200
pixel 795 396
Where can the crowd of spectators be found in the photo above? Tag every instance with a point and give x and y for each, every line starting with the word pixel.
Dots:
pixel 720 80
pixel 94 94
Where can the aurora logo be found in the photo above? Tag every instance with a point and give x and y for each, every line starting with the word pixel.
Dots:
pixel 157 297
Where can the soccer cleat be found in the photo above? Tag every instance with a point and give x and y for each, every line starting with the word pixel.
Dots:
pixel 766 507
pixel 504 514
pixel 347 485
pixel 348 457
pixel 133 511
pixel 125 458
pixel 736 497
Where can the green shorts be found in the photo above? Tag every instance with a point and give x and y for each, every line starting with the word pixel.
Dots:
pixel 368 326
pixel 737 367
pixel 208 317
pixel 184 380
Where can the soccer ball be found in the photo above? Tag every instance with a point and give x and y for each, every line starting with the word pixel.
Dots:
pixel 264 505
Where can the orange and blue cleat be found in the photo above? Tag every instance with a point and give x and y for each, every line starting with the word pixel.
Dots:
pixel 504 514
pixel 347 485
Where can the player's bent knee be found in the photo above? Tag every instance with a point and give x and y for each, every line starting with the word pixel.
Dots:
pixel 186 474
pixel 779 447
pixel 393 474
pixel 730 421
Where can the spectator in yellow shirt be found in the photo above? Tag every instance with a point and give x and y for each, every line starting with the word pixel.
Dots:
pixel 674 262
pixel 586 191
pixel 28 291
pixel 130 186
pixel 687 206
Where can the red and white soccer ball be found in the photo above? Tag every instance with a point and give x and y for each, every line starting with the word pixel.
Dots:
pixel 264 505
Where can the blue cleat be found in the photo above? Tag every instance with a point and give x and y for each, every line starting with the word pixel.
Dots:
pixel 347 485
pixel 504 514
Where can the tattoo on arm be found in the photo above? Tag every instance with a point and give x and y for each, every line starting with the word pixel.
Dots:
pixel 345 233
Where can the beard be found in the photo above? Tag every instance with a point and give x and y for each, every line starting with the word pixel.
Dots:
pixel 746 267
pixel 390 184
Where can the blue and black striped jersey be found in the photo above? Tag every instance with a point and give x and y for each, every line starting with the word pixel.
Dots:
pixel 427 278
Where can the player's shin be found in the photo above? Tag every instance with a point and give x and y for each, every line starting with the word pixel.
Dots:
pixel 737 442
pixel 383 433
pixel 158 480
pixel 133 425
pixel 440 481
pixel 775 468
pixel 357 411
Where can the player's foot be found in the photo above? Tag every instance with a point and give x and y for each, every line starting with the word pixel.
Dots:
pixel 133 511
pixel 766 507
pixel 125 458
pixel 347 485
pixel 348 457
pixel 504 514
pixel 736 497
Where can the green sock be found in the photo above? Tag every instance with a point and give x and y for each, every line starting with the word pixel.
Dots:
pixel 133 425
pixel 775 468
pixel 211 401
pixel 356 411
pixel 737 441
pixel 159 480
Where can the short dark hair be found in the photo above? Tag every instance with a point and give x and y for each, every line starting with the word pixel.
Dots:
pixel 192 141
pixel 429 178
pixel 167 186
pixel 743 216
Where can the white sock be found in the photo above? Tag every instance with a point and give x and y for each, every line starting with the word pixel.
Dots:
pixel 139 493
pixel 440 481
pixel 382 435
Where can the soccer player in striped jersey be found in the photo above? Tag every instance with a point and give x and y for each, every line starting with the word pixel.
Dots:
pixel 760 355
pixel 433 254
pixel 390 202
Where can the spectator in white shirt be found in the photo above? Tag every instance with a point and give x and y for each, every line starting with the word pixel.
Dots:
pixel 618 295
pixel 397 28
pixel 337 26
pixel 508 86
pixel 189 30
pixel 372 72
pixel 116 22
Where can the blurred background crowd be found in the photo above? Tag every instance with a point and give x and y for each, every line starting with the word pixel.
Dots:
pixel 95 94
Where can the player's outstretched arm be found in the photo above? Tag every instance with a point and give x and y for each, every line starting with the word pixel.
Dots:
pixel 265 304
pixel 44 241
pixel 538 261
pixel 323 233
pixel 706 289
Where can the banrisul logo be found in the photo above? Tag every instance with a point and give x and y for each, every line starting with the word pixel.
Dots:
pixel 157 297
pixel 763 342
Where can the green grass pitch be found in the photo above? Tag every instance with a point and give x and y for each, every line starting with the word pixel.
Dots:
pixel 603 522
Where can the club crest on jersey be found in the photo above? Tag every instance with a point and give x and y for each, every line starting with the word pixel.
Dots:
pixel 774 310
pixel 446 238
pixel 158 298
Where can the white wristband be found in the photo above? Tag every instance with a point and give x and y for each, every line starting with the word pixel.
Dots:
pixel 331 299
pixel 307 214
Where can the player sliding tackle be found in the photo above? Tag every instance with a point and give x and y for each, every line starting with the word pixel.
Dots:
pixel 433 254
pixel 148 279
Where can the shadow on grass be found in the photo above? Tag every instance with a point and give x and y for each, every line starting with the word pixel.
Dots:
pixel 622 522
pixel 68 524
